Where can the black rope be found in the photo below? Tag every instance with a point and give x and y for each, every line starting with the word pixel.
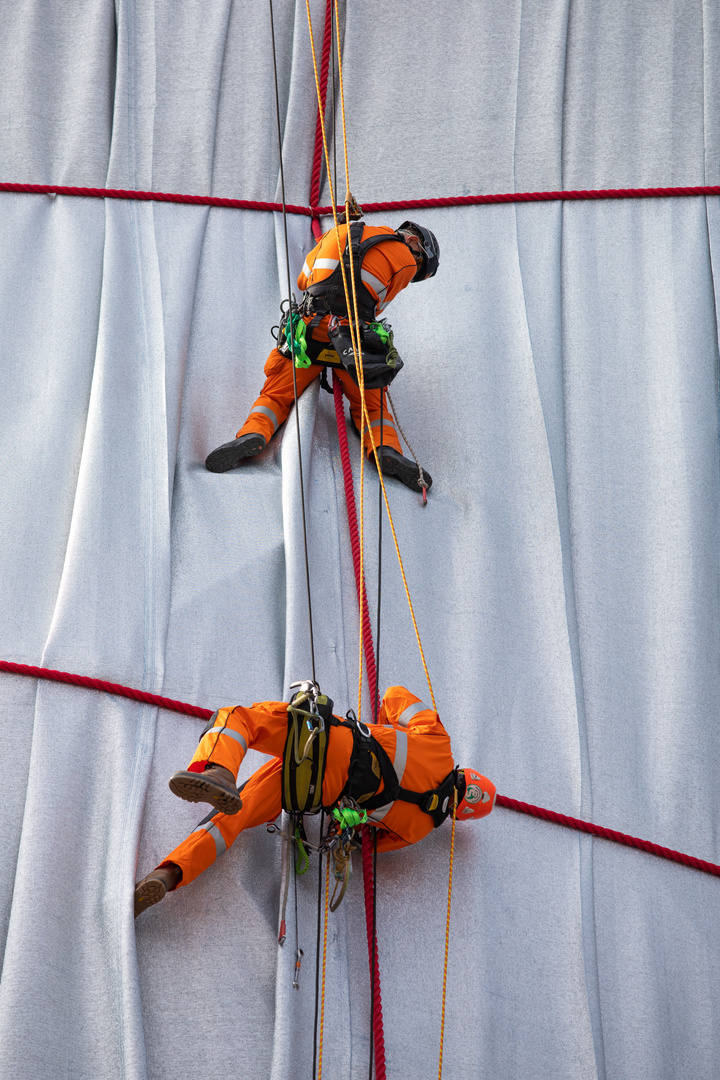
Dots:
pixel 317 948
pixel 292 339
pixel 332 53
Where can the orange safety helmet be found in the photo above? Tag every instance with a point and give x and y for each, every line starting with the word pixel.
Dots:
pixel 476 795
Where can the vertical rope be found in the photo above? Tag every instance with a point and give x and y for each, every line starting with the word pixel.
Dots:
pixel 318 151
pixel 324 967
pixel 376 1000
pixel 317 950
pixel 447 935
pixel 354 542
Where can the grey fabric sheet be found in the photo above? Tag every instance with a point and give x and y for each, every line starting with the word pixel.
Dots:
pixel 560 385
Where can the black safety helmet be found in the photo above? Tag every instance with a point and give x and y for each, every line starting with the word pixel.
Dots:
pixel 430 247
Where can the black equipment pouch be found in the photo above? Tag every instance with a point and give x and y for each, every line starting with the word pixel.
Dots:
pixel 380 359
pixel 304 755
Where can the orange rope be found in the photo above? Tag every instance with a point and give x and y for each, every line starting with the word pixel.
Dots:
pixel 324 966
pixel 447 937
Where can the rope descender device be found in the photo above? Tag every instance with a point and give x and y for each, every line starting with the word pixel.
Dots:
pixel 307 694
pixel 298 961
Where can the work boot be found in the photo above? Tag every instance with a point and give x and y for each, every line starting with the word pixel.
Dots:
pixel 152 888
pixel 215 786
pixel 232 453
pixel 406 471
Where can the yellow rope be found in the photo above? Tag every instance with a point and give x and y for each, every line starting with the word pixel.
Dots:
pixel 447 936
pixel 324 966
pixel 355 338
pixel 354 335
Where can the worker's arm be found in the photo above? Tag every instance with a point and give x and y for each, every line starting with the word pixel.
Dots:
pixel 407 711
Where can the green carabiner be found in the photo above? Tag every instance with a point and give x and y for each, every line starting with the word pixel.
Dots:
pixel 296 327
pixel 349 819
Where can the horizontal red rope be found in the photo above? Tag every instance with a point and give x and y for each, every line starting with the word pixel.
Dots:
pixel 151 196
pixel 501 800
pixel 369 208
pixel 106 687
pixel 529 196
pixel 607 834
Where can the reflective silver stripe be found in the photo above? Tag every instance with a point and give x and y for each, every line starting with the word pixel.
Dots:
pixel 306 269
pixel 374 283
pixel 412 710
pixel 325 264
pixel 387 422
pixel 401 748
pixel 267 412
pixel 399 763
pixel 212 830
pixel 229 731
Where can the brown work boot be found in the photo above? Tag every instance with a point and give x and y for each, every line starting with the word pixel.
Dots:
pixel 152 888
pixel 215 786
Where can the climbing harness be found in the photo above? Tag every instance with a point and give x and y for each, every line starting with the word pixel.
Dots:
pixel 327 297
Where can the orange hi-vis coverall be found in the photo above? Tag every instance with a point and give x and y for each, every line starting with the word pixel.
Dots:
pixel 386 270
pixel 410 733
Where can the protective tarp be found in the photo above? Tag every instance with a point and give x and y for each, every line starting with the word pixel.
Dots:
pixel 560 385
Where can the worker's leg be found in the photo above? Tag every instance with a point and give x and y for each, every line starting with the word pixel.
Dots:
pixel 277 395
pixel 393 463
pixel 375 400
pixel 231 732
pixel 261 801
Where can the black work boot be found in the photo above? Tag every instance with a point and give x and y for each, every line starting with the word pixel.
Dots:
pixel 215 786
pixel 406 471
pixel 232 453
pixel 152 888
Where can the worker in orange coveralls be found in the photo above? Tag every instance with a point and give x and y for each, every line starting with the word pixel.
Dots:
pixel 385 262
pixel 408 751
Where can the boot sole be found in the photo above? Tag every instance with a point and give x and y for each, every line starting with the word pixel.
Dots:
pixel 225 458
pixel 148 893
pixel 194 788
pixel 405 472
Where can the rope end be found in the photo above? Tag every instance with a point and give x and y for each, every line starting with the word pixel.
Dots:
pixel 424 496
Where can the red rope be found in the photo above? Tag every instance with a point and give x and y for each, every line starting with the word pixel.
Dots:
pixel 106 688
pixel 608 834
pixel 501 800
pixel 529 196
pixel 369 208
pixel 368 646
pixel 369 650
pixel 318 154
pixel 376 1003
pixel 151 196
